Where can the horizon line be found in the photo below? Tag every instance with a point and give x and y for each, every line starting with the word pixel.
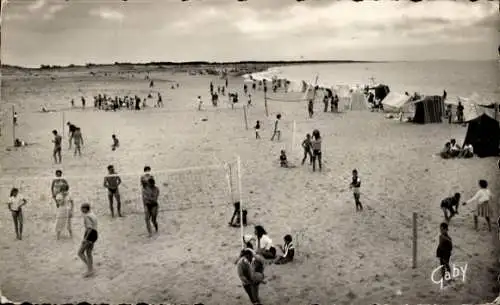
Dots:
pixel 242 62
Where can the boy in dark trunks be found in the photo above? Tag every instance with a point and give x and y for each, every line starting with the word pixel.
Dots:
pixel 310 108
pixel 112 182
pixel 57 147
pixel 150 196
pixel 450 204
pixel 145 177
pixel 89 238
pixel 355 186
pixel 78 141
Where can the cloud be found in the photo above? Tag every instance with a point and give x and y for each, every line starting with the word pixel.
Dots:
pixel 107 14
pixel 36 6
pixel 52 11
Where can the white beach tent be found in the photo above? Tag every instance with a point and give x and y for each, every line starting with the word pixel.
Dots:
pixel 396 102
pixel 358 101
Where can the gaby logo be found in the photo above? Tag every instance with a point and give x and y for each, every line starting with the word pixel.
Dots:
pixel 457 271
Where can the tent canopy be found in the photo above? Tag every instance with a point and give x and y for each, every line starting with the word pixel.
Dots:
pixel 483 133
pixel 396 100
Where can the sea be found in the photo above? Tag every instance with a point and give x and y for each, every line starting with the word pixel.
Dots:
pixel 458 78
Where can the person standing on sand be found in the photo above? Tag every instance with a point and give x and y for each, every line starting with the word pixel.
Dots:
pixel 245 273
pixel 15 205
pixel 72 103
pixel 160 101
pixel 306 145
pixel 145 177
pixel 72 129
pixel 310 108
pixel 325 101
pixel 83 102
pixel 57 147
pixel 150 196
pixel 200 103
pixel 89 238
pixel 64 205
pixel 277 131
pixel 227 83
pixel 316 147
pixel 116 142
pixel 58 184
pixel 443 251
pixel 483 197
pixel 78 141
pixel 112 182
pixel 355 186
pixel 257 130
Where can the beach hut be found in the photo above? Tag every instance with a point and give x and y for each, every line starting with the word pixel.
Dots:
pixel 429 110
pixel 483 133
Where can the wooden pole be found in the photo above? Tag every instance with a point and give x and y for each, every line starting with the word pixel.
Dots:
pixel 245 116
pixel 241 202
pixel 265 101
pixel 293 135
pixel 13 125
pixel 231 183
pixel 414 240
pixel 62 130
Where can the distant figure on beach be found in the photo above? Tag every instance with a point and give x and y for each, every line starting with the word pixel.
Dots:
pixel 83 102
pixel 257 130
pixel 249 100
pixel 14 118
pixel 211 88
pixel 277 131
pixel 283 159
pixel 448 113
pixel 116 143
pixel 483 198
pixel 355 186
pixel 310 108
pixel 78 141
pixel 57 147
pixel 325 101
pixel 334 103
pixel 159 104
pixel 200 103
pixel 151 84
pixel 316 147
pixel 307 146
pixel 72 103
pixel 112 183
pixel 237 213
pixel 227 83
pixel 245 89
pixel 89 238
pixel 460 112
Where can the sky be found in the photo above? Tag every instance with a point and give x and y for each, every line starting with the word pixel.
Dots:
pixel 59 32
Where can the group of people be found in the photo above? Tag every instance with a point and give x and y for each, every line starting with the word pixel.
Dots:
pixel 450 206
pixel 453 150
pixel 108 103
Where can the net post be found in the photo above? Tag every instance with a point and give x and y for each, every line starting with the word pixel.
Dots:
pixel 13 125
pixel 245 116
pixel 293 135
pixel 238 162
pixel 265 101
pixel 62 126
pixel 414 240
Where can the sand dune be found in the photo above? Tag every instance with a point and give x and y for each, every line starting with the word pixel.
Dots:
pixel 344 257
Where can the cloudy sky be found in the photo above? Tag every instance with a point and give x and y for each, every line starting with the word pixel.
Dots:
pixel 104 31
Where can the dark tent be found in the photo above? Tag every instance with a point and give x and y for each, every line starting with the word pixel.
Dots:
pixel 381 91
pixel 483 134
pixel 429 110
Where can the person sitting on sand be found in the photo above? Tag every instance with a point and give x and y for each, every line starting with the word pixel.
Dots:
pixel 454 148
pixel 283 161
pixel 450 204
pixel 466 152
pixel 19 143
pixel 446 152
pixel 288 251
pixel 264 243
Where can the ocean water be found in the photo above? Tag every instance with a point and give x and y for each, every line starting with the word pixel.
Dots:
pixel 458 78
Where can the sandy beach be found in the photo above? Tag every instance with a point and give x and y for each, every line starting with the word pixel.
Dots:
pixel 343 257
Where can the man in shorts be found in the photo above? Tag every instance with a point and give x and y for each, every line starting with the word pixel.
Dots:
pixel 57 147
pixel 89 238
